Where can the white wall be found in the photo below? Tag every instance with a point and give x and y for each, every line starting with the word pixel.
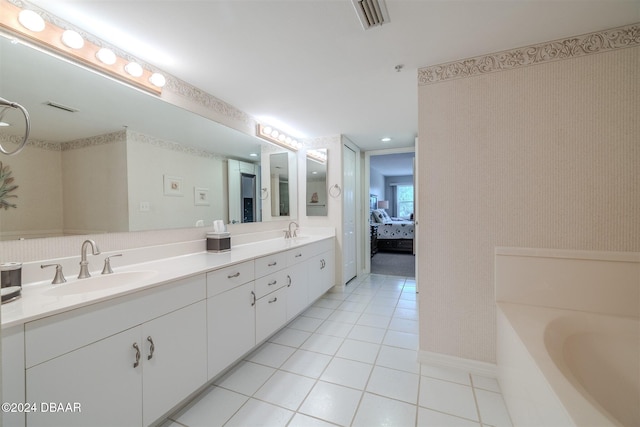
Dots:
pixel 149 162
pixel 94 185
pixel 37 172
pixel 543 156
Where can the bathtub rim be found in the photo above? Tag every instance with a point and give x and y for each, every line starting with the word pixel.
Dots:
pixel 529 323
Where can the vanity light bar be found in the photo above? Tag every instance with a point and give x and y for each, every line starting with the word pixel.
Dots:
pixel 25 23
pixel 317 156
pixel 275 136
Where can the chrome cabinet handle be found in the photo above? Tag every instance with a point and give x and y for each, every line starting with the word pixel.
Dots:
pixel 233 275
pixel 273 300
pixel 298 255
pixel 322 264
pixel 152 348
pixel 253 302
pixel 272 283
pixel 135 345
pixel 289 281
pixel 272 264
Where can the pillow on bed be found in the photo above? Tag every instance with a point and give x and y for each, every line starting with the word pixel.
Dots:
pixel 381 216
pixel 377 216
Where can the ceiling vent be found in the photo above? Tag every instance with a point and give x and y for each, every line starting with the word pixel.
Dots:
pixel 372 13
pixel 61 107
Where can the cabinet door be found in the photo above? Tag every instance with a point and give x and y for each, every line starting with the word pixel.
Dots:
pixel 271 313
pixel 231 324
pixel 297 290
pixel 327 271
pixel 13 374
pixel 100 377
pixel 174 359
pixel 321 272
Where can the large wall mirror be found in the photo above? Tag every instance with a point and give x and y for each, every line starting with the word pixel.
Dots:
pixel 316 198
pixel 104 157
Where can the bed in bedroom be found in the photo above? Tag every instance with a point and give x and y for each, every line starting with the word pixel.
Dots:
pixel 393 234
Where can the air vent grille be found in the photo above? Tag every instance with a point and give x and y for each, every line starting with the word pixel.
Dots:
pixel 372 13
pixel 61 107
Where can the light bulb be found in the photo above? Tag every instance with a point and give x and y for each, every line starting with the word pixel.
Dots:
pixel 134 69
pixel 31 20
pixel 72 39
pixel 106 56
pixel 267 130
pixel 157 80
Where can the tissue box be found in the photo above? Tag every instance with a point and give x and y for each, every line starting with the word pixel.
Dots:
pixel 218 242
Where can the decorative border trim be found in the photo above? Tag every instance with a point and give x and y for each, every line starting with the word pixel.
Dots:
pixel 107 138
pixel 173 146
pixel 572 47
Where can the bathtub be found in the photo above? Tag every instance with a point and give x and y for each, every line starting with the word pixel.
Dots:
pixel 560 367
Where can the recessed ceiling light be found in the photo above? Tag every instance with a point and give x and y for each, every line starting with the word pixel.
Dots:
pixel 385 139
pixel 253 155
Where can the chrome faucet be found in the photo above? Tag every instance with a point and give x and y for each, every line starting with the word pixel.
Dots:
pixel 84 264
pixel 288 234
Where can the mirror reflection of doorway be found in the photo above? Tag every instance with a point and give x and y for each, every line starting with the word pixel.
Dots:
pixel 248 189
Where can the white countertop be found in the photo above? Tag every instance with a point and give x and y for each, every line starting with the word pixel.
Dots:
pixel 35 302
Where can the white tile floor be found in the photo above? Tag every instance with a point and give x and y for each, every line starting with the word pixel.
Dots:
pixel 349 360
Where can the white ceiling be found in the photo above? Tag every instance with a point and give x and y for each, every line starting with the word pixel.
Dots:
pixel 310 65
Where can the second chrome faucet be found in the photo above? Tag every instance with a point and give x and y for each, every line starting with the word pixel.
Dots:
pixel 84 264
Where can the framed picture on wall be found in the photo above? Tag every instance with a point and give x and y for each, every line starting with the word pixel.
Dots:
pixel 172 185
pixel 201 196
pixel 373 202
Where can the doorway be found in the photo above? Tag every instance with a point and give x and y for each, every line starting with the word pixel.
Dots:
pixel 391 213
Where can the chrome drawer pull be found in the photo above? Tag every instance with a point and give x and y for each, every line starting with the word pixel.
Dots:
pixel 253 298
pixel 298 256
pixel 273 283
pixel 151 348
pixel 289 279
pixel 272 264
pixel 234 275
pixel 273 300
pixel 135 345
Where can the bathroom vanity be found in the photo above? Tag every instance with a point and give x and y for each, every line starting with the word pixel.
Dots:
pixel 129 353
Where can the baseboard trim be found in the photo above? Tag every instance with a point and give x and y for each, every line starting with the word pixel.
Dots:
pixel 473 366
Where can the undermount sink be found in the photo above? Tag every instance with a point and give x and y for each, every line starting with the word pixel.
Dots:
pixel 100 283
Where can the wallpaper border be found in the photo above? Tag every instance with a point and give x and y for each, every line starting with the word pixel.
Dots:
pixel 571 47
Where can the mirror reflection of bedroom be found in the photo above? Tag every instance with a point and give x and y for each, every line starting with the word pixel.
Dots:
pixel 391 214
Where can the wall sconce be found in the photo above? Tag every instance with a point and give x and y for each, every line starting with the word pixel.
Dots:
pixel 383 204
pixel 29 25
pixel 274 136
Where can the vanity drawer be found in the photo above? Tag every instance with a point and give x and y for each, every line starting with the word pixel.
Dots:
pixel 222 280
pixel 297 255
pixel 267 284
pixel 59 334
pixel 270 263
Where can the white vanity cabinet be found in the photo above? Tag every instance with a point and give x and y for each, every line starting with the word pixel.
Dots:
pixel 13 375
pixel 230 315
pixel 321 270
pixel 125 361
pixel 271 300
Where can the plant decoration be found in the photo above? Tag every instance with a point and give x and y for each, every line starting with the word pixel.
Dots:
pixel 6 187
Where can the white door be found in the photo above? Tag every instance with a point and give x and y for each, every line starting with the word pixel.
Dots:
pixel 349 269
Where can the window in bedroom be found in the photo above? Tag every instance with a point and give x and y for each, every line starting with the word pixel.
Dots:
pixel 404 201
